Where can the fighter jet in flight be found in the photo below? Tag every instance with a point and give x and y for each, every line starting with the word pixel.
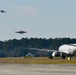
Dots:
pixel 2 11
pixel 21 32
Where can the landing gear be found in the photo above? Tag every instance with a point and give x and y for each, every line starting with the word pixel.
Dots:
pixel 62 55
pixel 50 55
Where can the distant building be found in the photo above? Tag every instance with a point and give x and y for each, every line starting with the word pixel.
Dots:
pixel 29 54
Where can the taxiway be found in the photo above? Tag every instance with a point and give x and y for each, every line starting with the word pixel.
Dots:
pixel 34 69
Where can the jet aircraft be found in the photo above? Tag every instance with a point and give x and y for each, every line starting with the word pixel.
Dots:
pixel 2 11
pixel 21 32
pixel 63 51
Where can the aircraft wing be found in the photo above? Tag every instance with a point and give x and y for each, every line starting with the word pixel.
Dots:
pixel 43 49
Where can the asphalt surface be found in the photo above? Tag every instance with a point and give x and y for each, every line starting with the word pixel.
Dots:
pixel 27 69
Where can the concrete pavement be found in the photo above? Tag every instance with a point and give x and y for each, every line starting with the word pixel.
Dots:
pixel 29 69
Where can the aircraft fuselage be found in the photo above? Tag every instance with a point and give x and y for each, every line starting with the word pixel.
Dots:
pixel 68 49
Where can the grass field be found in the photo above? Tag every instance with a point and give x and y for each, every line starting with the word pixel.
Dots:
pixel 39 60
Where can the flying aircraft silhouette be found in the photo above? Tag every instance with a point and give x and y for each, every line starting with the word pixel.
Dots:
pixel 2 11
pixel 21 32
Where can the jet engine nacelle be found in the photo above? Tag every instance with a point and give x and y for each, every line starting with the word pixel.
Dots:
pixel 55 54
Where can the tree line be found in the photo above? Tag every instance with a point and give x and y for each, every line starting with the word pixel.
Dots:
pixel 18 48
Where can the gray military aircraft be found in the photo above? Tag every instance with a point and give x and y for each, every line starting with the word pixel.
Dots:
pixel 21 32
pixel 2 11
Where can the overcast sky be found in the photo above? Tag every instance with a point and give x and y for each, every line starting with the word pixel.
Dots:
pixel 40 18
